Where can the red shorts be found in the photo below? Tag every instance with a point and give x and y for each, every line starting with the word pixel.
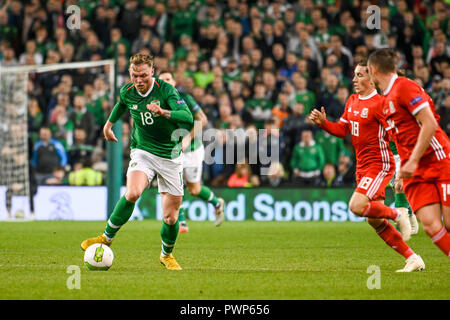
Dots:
pixel 421 193
pixel 373 182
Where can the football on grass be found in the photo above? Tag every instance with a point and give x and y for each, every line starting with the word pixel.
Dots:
pixel 98 257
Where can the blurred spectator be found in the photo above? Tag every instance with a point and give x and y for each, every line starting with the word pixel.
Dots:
pixel 282 109
pixel 302 94
pixel 85 175
pixel 241 177
pixel 307 160
pixel 79 149
pixel 35 119
pixel 289 67
pixel 259 106
pixel 8 56
pixel 61 126
pixel 328 98
pixel 144 40
pixel 332 145
pixel 328 176
pixel 271 145
pixel 346 171
pixel 116 39
pixel 58 178
pixel 183 21
pixel 276 175
pixel 204 76
pixel 129 19
pixel 83 118
pixel 31 49
pixel 48 153
pixel 291 129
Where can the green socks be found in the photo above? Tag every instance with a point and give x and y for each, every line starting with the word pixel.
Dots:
pixel 182 216
pixel 169 234
pixel 402 202
pixel 122 212
pixel 207 195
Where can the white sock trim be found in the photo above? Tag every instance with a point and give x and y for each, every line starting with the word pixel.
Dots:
pixel 439 235
pixel 168 245
pixel 112 225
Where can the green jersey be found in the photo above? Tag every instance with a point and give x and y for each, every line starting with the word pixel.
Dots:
pixel 150 132
pixel 258 105
pixel 308 99
pixel 334 146
pixel 194 108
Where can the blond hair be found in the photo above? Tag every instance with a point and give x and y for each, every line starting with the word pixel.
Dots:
pixel 141 58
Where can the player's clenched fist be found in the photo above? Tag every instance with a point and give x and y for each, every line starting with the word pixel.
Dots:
pixel 154 108
pixel 157 110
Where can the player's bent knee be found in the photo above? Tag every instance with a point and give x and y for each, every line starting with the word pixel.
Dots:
pixel 357 207
pixel 431 228
pixel 194 189
pixel 133 195
pixel 170 220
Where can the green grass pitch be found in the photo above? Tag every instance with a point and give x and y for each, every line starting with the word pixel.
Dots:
pixel 239 260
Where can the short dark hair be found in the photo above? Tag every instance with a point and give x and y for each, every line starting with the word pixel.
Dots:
pixel 363 63
pixel 166 71
pixel 385 60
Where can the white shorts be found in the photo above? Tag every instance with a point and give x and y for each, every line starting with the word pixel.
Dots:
pixel 193 165
pixel 169 171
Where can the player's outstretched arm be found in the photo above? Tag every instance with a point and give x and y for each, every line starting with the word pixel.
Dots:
pixel 428 126
pixel 339 129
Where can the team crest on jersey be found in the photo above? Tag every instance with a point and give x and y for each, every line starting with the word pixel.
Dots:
pixel 365 113
pixel 157 102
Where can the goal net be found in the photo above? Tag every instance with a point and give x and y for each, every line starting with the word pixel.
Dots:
pixel 18 90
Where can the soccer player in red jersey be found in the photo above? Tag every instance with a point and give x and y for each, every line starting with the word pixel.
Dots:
pixel 423 146
pixel 375 164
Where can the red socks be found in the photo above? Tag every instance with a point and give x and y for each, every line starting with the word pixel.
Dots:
pixel 442 240
pixel 378 210
pixel 393 238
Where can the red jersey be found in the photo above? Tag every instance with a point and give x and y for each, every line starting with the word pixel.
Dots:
pixel 404 98
pixel 363 119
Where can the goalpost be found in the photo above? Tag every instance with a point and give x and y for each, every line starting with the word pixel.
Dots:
pixel 15 187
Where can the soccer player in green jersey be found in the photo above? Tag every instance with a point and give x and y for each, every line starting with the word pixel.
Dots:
pixel 399 195
pixel 194 154
pixel 157 111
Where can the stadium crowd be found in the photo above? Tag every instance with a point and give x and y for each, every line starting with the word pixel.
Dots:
pixel 249 64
